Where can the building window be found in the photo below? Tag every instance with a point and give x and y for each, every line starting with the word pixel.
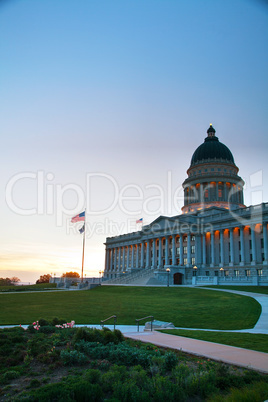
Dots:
pixel 212 169
pixel 194 272
pixel 239 245
pixel 206 193
pixel 236 273
pixel 262 244
pixel 216 273
pixel 263 257
pixel 192 249
pixel 207 273
pixel 193 238
pixel 164 242
pixel 247 272
pixel 250 257
pixel 185 250
pixel 170 241
pixel 226 273
pixel 250 244
pixel 259 272
pixel 220 193
pixel 178 261
pixel 193 261
pixel 157 242
pixel 157 253
pixel 185 261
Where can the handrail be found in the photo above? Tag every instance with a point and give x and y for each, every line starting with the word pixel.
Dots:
pixel 112 316
pixel 144 318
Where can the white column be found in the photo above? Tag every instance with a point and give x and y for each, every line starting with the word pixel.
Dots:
pixel 137 256
pixel 181 250
pixel 231 247
pixel 212 248
pixel 204 249
pixel 242 245
pixel 174 250
pixel 111 259
pixel 128 250
pixel 253 243
pixel 107 251
pixel 124 258
pixel 222 246
pixel 142 254
pixel 148 254
pixel 166 251
pixel 132 256
pixel 188 249
pixel 198 249
pixel 160 253
pixel 265 245
pixel 115 262
pixel 154 254
pixel 119 259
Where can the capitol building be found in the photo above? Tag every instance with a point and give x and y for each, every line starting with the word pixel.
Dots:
pixel 216 239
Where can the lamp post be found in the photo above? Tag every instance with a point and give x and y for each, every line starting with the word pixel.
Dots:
pixel 221 270
pixel 168 272
pixel 195 270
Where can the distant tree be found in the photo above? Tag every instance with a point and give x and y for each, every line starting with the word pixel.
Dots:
pixel 15 279
pixel 43 279
pixel 5 282
pixel 71 275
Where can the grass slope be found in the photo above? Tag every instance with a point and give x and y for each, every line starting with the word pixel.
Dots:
pixel 185 307
pixel 257 342
pixel 254 289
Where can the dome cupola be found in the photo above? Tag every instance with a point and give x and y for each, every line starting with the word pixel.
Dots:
pixel 212 177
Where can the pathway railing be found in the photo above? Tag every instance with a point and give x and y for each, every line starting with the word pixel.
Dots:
pixel 145 318
pixel 112 316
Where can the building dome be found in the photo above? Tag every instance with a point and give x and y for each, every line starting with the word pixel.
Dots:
pixel 212 177
pixel 212 149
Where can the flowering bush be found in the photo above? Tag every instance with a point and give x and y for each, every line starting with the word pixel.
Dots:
pixel 36 325
pixel 66 325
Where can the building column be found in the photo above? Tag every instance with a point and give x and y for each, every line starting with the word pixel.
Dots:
pixel 242 246
pixel 124 258
pixel 265 245
pixel 148 254
pixel 128 250
pixel 204 249
pixel 198 249
pixel 231 247
pixel 181 250
pixel 189 249
pixel 174 250
pixel 212 248
pixel 222 247
pixel 132 256
pixel 217 191
pixel 137 256
pixel 166 251
pixel 160 254
pixel 107 254
pixel 154 254
pixel 115 262
pixel 253 243
pixel 111 259
pixel 142 254
pixel 119 259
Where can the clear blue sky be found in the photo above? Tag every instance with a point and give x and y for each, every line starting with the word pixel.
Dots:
pixel 125 89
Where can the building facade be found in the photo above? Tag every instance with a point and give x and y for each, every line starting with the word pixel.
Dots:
pixel 216 239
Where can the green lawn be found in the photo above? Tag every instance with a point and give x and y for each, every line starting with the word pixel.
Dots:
pixel 184 307
pixel 254 289
pixel 247 341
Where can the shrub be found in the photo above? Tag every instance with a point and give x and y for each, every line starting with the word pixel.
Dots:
pixel 92 376
pixel 73 357
pixel 170 361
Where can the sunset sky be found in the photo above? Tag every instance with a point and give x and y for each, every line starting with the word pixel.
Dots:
pixel 104 100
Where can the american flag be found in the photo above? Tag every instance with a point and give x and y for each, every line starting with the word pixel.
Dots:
pixel 78 218
pixel 139 220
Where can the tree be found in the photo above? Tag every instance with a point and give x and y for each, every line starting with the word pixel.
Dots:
pixel 44 278
pixel 5 282
pixel 71 275
pixel 15 279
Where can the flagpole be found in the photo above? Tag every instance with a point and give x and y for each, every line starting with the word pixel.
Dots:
pixel 83 252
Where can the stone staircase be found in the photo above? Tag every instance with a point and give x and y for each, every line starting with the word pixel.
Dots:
pixel 141 277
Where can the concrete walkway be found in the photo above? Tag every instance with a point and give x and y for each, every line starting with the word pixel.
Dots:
pixel 215 351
